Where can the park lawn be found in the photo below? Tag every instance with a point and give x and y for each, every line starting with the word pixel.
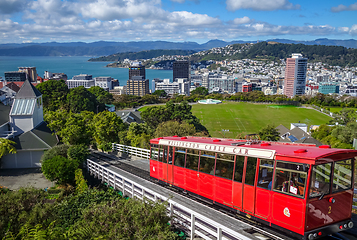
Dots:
pixel 337 109
pixel 250 117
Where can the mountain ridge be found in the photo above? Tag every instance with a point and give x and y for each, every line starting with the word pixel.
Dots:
pixel 101 48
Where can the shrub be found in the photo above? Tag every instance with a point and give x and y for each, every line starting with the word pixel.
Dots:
pixel 78 153
pixel 60 150
pixel 81 183
pixel 59 169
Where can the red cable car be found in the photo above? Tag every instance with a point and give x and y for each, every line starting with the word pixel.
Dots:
pixel 304 190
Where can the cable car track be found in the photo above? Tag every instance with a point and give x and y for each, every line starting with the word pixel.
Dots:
pixel 257 228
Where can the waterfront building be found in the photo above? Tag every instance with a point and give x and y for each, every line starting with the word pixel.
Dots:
pixel 118 90
pixel 181 69
pixel 84 80
pixel 137 69
pixel 171 88
pixel 104 82
pixel 138 86
pixel 15 76
pixel 295 75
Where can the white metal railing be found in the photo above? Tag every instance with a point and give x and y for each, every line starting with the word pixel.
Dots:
pixel 133 151
pixel 196 223
pixel 145 153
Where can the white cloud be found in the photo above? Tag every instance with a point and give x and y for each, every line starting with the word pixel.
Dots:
pixel 341 7
pixel 242 20
pixel 352 30
pixel 260 5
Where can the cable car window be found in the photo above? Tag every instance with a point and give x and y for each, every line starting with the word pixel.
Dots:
pixel 342 175
pixel 250 170
pixel 180 155
pixel 170 155
pixel 192 158
pixel 238 172
pixel 292 179
pixel 225 165
pixel 265 177
pixel 154 152
pixel 207 162
pixel 320 180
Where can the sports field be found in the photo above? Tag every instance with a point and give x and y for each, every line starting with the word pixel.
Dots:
pixel 250 118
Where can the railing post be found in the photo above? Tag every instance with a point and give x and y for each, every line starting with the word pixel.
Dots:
pixel 171 213
pixel 192 226
pixel 219 233
pixel 123 184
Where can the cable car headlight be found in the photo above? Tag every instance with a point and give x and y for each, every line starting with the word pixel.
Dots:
pixel 350 224
pixel 345 225
pixel 311 236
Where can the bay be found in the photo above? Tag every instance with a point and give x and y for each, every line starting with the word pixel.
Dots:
pixel 73 66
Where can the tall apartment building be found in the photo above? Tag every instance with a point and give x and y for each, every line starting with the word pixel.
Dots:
pixel 137 69
pixel 138 86
pixel 295 75
pixel 31 73
pixel 181 69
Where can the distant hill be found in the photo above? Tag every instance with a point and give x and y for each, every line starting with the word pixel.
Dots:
pixel 332 55
pixel 102 48
pixel 141 55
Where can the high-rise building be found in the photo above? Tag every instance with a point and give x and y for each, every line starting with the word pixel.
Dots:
pixel 138 86
pixel 137 69
pixel 295 75
pixel 31 73
pixel 181 69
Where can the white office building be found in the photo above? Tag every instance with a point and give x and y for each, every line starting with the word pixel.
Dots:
pixel 104 82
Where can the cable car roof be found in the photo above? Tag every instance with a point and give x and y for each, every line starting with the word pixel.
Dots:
pixel 260 149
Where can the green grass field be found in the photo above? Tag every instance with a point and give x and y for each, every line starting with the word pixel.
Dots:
pixel 250 118
pixel 337 109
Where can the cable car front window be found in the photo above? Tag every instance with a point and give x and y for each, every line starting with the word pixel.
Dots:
pixel 320 180
pixel 342 175
pixel 154 152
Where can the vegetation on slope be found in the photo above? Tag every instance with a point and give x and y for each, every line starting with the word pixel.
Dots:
pixel 141 55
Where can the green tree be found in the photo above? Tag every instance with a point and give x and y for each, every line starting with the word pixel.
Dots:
pixel 80 99
pixel 56 120
pixel 172 128
pixel 269 133
pixel 106 126
pixel 139 135
pixel 200 91
pixel 160 93
pixel 54 94
pixel 103 97
pixel 59 169
pixel 59 150
pixel 6 146
pixel 78 153
pixel 78 129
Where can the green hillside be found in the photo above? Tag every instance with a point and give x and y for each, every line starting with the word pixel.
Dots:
pixel 250 117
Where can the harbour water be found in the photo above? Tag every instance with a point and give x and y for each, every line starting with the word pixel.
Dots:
pixel 74 66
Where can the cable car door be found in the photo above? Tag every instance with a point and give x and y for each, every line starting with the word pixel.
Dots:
pixel 249 185
pixel 169 165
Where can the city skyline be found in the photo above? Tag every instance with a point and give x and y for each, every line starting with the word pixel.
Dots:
pixel 23 21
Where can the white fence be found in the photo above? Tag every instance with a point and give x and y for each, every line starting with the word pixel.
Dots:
pixel 132 151
pixel 145 153
pixel 196 223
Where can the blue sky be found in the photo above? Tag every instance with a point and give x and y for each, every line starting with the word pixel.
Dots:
pixel 175 20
